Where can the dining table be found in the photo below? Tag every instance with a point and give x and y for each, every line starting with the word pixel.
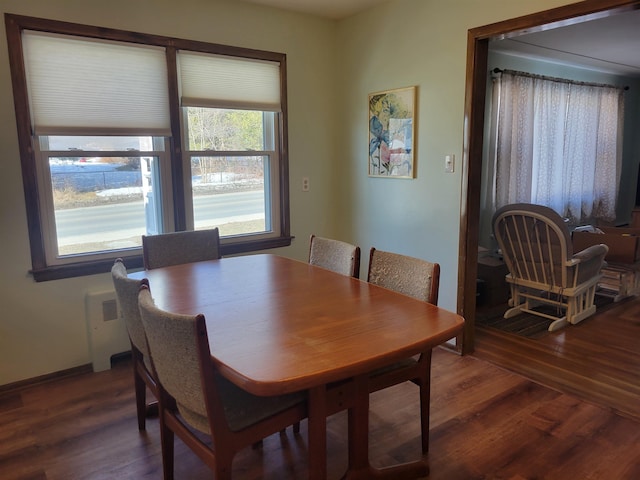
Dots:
pixel 278 325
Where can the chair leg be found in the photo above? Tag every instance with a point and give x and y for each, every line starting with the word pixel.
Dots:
pixel 152 409
pixel 166 440
pixel 224 464
pixel 558 324
pixel 425 398
pixel 141 398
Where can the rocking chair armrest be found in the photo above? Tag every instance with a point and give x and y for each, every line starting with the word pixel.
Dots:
pixel 588 263
pixel 589 253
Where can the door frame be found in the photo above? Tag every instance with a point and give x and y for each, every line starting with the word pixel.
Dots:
pixel 474 109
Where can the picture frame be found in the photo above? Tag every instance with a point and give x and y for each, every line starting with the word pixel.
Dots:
pixel 392 133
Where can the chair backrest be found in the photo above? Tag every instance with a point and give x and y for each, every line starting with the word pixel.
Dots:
pixel 408 275
pixel 174 342
pixel 335 255
pixel 175 248
pixel 189 379
pixel 127 297
pixel 535 243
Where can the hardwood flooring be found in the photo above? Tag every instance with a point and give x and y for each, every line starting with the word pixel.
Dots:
pixel 486 422
pixel 597 360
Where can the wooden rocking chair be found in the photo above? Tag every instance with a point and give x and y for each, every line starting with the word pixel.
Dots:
pixel 536 245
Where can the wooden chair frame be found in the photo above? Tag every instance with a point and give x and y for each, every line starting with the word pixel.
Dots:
pixel 536 246
pixel 225 441
pixel 416 369
pixel 127 298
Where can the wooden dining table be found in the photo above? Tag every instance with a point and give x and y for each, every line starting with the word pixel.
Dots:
pixel 278 325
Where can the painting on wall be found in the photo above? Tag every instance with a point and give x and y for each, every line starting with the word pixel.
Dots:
pixel 391 133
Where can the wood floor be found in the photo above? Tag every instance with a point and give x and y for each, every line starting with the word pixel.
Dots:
pixel 597 359
pixel 486 423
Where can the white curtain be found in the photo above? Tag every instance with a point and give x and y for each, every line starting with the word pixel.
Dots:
pixel 557 143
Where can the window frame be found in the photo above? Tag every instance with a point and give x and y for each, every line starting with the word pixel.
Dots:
pixel 50 240
pixel 41 270
pixel 270 150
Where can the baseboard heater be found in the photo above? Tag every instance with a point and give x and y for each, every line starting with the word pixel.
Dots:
pixel 107 332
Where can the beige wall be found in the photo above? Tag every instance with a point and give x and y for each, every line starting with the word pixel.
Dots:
pixel 332 66
pixel 42 325
pixel 422 43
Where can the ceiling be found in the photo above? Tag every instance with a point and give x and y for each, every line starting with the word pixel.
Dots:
pixel 335 9
pixel 609 44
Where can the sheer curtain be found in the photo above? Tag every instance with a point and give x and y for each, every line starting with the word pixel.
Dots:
pixel 557 143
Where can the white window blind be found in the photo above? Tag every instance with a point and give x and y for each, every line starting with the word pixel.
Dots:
pixel 219 81
pixel 78 85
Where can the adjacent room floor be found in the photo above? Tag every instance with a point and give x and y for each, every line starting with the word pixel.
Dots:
pixel 597 359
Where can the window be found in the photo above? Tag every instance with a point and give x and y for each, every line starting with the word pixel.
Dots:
pixel 124 134
pixel 557 143
pixel 232 155
pixel 100 194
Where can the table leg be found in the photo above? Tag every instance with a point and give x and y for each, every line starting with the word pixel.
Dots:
pixel 359 429
pixel 317 425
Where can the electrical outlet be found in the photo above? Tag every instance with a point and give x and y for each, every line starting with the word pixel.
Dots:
pixel 449 163
pixel 305 184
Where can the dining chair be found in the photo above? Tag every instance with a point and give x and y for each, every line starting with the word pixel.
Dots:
pixel 419 279
pixel 175 248
pixel 143 378
pixel 194 396
pixel 335 255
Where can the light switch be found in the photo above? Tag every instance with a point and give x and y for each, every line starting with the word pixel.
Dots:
pixel 449 163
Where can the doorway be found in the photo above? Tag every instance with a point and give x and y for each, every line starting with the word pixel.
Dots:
pixel 476 78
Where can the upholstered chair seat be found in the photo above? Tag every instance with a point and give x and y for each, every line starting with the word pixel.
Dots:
pixel 195 396
pixel 241 409
pixel 419 279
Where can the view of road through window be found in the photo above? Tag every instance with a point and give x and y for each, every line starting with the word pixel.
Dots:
pixel 100 203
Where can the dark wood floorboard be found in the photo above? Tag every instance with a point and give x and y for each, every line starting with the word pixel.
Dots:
pixel 486 423
pixel 597 359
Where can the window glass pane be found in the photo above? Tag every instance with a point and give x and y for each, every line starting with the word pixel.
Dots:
pixel 97 143
pixel 104 203
pixel 225 130
pixel 229 193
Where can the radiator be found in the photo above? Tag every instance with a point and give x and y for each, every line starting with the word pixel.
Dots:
pixel 107 332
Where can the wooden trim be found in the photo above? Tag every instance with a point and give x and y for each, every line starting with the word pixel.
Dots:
pixel 283 117
pixel 135 261
pixel 558 17
pixel 71 270
pixel 41 271
pixel 177 173
pixel 23 125
pixel 92 31
pixel 477 52
pixel 15 387
pixel 246 247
